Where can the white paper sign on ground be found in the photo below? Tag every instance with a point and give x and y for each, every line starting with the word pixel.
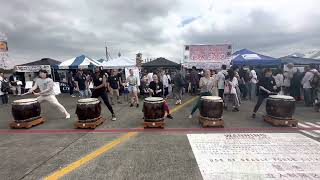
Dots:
pixel 56 88
pixel 29 84
pixel 255 156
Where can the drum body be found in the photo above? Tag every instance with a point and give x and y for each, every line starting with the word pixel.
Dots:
pixel 153 109
pixel 280 106
pixel 211 107
pixel 26 109
pixel 88 109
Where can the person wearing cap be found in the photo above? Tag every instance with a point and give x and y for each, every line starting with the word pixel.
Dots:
pixel 46 93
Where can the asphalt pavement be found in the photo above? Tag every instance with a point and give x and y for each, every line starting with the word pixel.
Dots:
pixel 121 149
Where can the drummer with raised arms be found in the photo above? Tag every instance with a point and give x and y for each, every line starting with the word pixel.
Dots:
pixel 46 93
pixel 266 86
pixel 156 90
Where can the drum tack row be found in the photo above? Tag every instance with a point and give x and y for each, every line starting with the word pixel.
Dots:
pixel 280 110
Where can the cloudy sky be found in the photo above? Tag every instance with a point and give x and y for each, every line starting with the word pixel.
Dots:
pixel 62 29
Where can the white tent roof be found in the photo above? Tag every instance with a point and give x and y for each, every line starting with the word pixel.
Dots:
pixel 117 63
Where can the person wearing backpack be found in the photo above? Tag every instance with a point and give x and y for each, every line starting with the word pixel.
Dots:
pixel 306 83
pixel 316 85
pixel 179 82
pixel 4 89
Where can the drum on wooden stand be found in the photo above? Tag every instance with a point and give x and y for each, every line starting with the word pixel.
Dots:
pixel 280 107
pixel 153 109
pixel 211 107
pixel 88 109
pixel 25 110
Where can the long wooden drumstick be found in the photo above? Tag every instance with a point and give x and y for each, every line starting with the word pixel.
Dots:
pixel 26 93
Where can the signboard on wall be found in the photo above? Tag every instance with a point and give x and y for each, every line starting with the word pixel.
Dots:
pixel 4 56
pixel 256 156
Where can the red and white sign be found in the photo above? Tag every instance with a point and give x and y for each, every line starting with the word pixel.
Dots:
pixel 207 53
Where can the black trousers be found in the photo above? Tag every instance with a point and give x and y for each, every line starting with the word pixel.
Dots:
pixel 243 90
pixel 166 91
pixel 71 88
pixel 259 102
pixel 4 99
pixel 103 94
pixel 221 91
pixel 194 88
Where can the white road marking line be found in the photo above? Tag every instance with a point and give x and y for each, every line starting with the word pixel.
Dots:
pixel 306 132
pixel 313 125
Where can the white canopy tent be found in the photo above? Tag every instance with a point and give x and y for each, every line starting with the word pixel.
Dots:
pixel 119 63
pixel 79 62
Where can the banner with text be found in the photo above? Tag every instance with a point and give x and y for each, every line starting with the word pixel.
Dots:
pixel 33 68
pixel 208 56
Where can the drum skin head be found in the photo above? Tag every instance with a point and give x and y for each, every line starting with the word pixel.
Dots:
pixel 25 101
pixel 213 98
pixel 88 100
pixel 153 99
pixel 281 97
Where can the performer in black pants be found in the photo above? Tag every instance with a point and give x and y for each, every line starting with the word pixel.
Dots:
pixel 99 90
pixel 266 87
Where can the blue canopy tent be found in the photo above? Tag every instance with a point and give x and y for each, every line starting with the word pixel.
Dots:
pixel 81 61
pixel 249 58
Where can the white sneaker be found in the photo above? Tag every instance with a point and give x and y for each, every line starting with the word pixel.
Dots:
pixel 68 116
pixel 190 116
pixel 114 118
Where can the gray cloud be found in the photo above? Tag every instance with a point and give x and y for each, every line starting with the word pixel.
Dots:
pixel 63 29
pixel 264 33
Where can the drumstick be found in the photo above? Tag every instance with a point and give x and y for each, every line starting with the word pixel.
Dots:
pixel 27 93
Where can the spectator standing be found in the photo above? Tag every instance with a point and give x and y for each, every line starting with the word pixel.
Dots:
pixel 4 89
pixel 179 82
pixel 296 85
pixel 278 77
pixel 214 90
pixel 307 88
pixel 15 83
pixel 80 82
pixel 242 83
pixel 221 78
pixel 166 80
pixel 253 83
pixel 71 83
pixel 194 80
pixel 288 75
pixel 133 88
pixel 114 86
